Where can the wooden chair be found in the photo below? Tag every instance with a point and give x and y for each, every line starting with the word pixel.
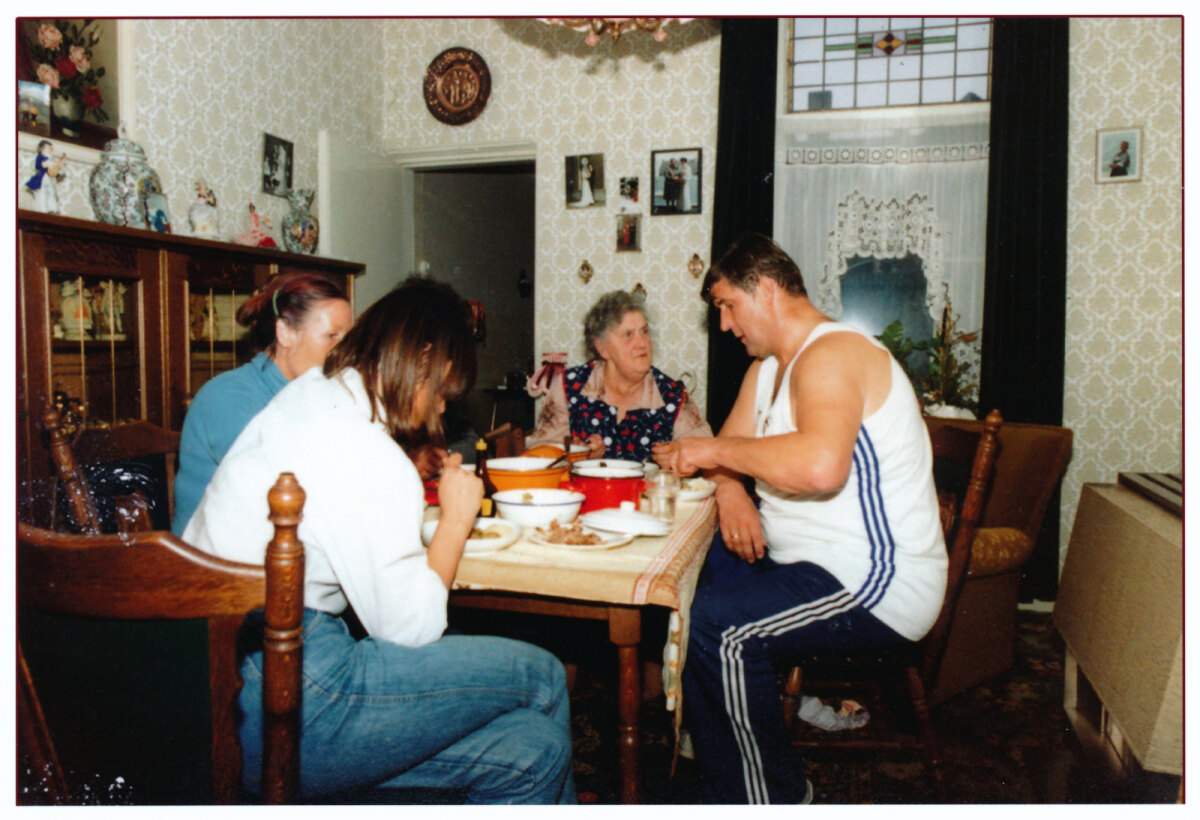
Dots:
pixel 99 445
pixel 506 440
pixel 911 669
pixel 154 575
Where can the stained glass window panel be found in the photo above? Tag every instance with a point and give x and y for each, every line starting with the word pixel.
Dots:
pixel 907 53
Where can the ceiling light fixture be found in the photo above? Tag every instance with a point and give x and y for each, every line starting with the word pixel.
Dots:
pixel 615 26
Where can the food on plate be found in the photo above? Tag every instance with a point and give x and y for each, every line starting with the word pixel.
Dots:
pixel 476 532
pixel 694 484
pixel 571 535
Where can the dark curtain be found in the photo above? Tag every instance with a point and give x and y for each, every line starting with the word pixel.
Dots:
pixel 744 181
pixel 1024 313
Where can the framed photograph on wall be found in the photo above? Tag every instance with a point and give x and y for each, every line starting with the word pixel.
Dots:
pixel 585 180
pixel 629 232
pixel 1119 154
pixel 33 108
pixel 276 166
pixel 677 176
pixel 629 199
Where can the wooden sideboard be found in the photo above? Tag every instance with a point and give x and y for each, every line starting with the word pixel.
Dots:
pixel 154 323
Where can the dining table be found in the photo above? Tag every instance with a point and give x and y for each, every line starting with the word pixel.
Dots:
pixel 614 585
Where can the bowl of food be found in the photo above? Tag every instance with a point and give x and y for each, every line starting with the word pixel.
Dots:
pixel 538 506
pixel 487 534
pixel 578 451
pixel 524 472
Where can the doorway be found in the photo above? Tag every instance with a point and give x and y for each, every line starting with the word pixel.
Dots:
pixel 473 227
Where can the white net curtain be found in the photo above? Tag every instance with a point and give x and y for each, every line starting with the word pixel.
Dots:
pixel 887 184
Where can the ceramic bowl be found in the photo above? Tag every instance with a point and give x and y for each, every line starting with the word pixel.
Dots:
pixel 523 472
pixel 537 506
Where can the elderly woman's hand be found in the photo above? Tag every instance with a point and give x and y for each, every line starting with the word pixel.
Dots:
pixel 595 445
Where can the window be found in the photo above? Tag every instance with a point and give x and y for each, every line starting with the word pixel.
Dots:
pixel 878 62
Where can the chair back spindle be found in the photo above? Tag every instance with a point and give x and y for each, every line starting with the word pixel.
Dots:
pixel 154 575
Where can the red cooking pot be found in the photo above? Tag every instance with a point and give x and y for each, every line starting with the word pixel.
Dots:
pixel 605 487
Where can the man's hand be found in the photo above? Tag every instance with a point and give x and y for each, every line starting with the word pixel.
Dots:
pixel 428 460
pixel 686 455
pixel 739 522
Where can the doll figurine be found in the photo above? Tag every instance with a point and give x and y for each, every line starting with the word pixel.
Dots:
pixel 203 216
pixel 254 235
pixel 43 185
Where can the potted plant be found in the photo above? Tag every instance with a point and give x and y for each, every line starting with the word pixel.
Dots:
pixel 944 388
pixel 62 58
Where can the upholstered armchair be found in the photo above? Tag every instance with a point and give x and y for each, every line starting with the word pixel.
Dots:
pixel 1029 465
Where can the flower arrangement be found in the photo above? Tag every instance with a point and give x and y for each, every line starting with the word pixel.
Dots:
pixel 62 58
pixel 945 381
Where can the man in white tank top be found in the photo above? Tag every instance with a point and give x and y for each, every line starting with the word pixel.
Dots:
pixel 845 548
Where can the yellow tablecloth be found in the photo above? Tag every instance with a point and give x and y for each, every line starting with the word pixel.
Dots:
pixel 659 570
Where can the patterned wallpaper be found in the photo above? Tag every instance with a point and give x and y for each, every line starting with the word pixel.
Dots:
pixel 622 100
pixel 206 90
pixel 1124 367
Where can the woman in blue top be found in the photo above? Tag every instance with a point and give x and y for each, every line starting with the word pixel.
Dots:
pixel 294 321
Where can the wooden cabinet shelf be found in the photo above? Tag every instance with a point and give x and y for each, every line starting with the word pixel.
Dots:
pixel 79 277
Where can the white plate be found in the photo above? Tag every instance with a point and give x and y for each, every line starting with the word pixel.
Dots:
pixel 696 489
pixel 608 540
pixel 630 522
pixel 511 532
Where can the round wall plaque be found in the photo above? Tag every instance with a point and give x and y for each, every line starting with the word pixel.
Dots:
pixel 457 85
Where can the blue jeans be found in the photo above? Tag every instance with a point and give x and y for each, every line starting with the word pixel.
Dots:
pixel 485 716
pixel 744 618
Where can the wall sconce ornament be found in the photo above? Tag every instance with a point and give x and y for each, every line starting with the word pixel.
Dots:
pixel 586 272
pixel 695 266
pixel 639 293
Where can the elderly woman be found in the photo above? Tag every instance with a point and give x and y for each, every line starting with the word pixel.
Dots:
pixel 618 403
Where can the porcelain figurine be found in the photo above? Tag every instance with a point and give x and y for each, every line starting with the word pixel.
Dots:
pixel 255 235
pixel 203 217
pixel 76 312
pixel 300 228
pixel 108 308
pixel 155 204
pixel 49 170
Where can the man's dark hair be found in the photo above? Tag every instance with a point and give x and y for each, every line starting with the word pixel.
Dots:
pixel 749 258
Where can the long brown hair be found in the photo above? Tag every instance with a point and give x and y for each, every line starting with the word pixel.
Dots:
pixel 289 296
pixel 404 340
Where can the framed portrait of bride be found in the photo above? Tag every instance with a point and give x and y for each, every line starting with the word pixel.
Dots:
pixel 585 180
pixel 676 173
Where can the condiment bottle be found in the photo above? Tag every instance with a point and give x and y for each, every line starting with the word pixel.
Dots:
pixel 486 508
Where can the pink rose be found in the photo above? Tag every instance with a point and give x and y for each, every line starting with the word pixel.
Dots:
pixel 47 75
pixel 79 58
pixel 49 36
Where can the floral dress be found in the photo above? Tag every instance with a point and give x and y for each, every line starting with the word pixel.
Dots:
pixel 635 435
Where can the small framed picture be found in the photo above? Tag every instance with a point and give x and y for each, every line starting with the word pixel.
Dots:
pixel 585 180
pixel 277 166
pixel 629 232
pixel 33 108
pixel 629 202
pixel 1119 154
pixel 677 176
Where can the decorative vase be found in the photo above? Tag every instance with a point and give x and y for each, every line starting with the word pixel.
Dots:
pixel 120 184
pixel 300 228
pixel 68 113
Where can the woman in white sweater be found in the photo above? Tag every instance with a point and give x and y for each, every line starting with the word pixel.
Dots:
pixel 406 706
